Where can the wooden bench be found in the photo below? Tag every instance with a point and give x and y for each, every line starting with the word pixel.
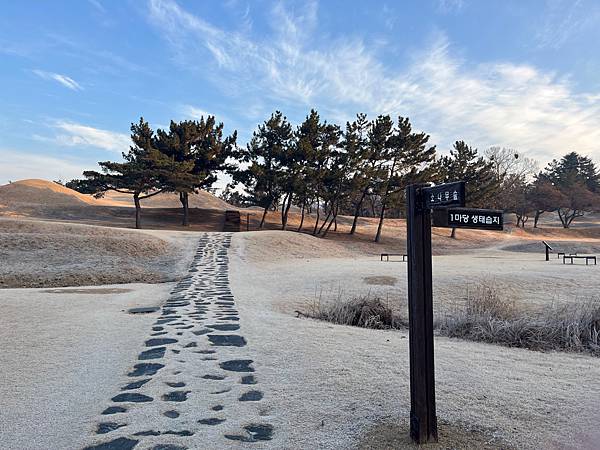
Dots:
pixel 572 257
pixel 559 254
pixel 387 256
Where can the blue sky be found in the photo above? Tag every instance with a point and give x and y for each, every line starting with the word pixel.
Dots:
pixel 74 74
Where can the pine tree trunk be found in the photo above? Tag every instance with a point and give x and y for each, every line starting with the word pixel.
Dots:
pixel 283 203
pixel 138 210
pixel 380 226
pixel 184 199
pixel 287 210
pixel 302 218
pixel 262 220
pixel 357 212
pixel 333 219
pixel 317 218
pixel 335 222
pixel 453 234
pixel 325 221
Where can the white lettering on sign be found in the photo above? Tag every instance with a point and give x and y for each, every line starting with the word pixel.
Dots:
pixel 474 219
pixel 443 196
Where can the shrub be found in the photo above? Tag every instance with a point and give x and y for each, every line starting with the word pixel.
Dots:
pixel 364 311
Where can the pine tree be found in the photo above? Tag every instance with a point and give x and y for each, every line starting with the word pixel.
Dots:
pixel 200 151
pixel 142 175
pixel 464 164
pixel 264 154
pixel 578 180
pixel 409 161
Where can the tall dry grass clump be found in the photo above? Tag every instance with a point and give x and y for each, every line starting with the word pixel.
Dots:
pixel 488 316
pixel 362 311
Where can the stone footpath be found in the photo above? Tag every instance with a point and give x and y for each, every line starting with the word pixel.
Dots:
pixel 194 385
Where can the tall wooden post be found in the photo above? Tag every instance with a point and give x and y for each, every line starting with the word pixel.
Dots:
pixel 423 420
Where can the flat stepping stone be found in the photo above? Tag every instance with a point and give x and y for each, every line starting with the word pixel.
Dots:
pixel 175 384
pixel 176 396
pixel 224 326
pixel 172 414
pixel 121 443
pixel 237 365
pixel 131 397
pixel 160 341
pixel 190 345
pixel 153 353
pixel 217 408
pixel 143 310
pixel 211 421
pixel 227 340
pixel 248 379
pixel 168 447
pixel 114 410
pixel 213 377
pixel 145 369
pixel 256 432
pixel 147 433
pixel 251 396
pixel 107 427
pixel 135 384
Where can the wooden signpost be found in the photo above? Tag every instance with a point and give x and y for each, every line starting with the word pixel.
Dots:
pixel 420 200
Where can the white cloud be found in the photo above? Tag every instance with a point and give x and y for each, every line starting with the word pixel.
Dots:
pixel 194 112
pixel 495 103
pixel 19 165
pixel 66 81
pixel 73 134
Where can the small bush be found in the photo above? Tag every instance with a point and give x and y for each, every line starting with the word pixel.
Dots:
pixel 365 312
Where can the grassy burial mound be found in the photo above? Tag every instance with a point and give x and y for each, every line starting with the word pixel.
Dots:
pixel 50 254
pixel 44 199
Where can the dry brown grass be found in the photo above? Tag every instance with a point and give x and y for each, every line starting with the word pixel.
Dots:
pixel 488 316
pixel 364 311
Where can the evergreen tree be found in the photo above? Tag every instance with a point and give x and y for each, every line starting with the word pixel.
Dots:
pixel 142 174
pixel 409 161
pixel 201 151
pixel 264 154
pixel 464 164
pixel 578 180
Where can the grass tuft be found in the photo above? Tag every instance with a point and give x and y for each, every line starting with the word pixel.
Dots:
pixel 486 315
pixel 363 311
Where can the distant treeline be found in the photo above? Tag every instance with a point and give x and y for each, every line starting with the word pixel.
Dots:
pixel 361 170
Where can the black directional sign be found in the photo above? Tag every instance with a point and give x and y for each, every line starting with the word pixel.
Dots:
pixel 421 201
pixel 444 195
pixel 481 219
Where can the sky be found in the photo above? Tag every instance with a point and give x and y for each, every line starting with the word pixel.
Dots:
pixel 75 74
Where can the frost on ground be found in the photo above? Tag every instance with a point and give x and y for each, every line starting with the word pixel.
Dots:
pixel 52 254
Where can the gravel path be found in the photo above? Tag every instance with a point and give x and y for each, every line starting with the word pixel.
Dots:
pixel 195 384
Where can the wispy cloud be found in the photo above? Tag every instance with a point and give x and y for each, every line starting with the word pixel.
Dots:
pixel 194 112
pixel 66 81
pixel 493 103
pixel 450 6
pixel 74 134
pixel 562 20
pixel 21 165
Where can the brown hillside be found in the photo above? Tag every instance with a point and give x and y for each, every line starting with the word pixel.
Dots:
pixel 43 192
pixel 47 194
